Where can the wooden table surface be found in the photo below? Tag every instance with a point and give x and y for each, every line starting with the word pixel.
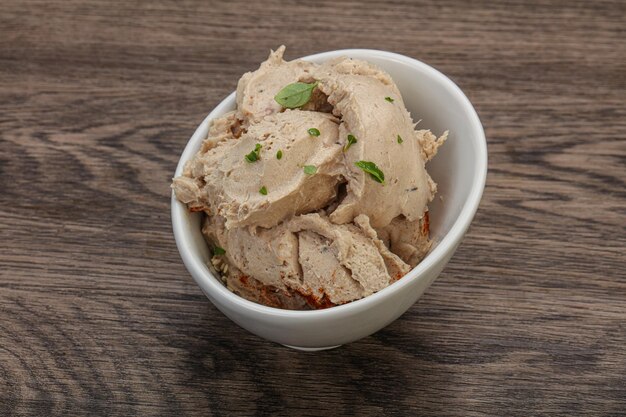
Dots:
pixel 98 315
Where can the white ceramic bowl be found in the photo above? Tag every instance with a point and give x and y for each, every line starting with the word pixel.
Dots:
pixel 460 170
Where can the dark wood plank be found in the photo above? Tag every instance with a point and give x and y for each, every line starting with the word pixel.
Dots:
pixel 99 316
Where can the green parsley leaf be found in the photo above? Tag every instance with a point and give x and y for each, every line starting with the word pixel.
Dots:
pixel 279 154
pixel 218 251
pixel 310 169
pixel 389 99
pixel 263 190
pixel 313 132
pixel 351 141
pixel 254 155
pixel 295 95
pixel 400 139
pixel 371 168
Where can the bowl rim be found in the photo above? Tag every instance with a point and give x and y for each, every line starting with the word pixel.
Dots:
pixel 213 286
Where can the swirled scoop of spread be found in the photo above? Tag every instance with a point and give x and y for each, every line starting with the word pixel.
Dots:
pixel 372 111
pixel 314 190
pixel 274 171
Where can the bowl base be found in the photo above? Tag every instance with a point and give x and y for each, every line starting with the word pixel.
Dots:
pixel 315 349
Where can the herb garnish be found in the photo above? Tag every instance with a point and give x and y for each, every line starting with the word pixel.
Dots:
pixel 400 139
pixel 389 99
pixel 255 154
pixel 295 95
pixel 313 132
pixel 371 168
pixel 351 141
pixel 218 251
pixel 263 190
pixel 310 169
pixel 279 154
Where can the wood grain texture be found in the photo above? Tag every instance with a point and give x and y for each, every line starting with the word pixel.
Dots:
pixel 98 315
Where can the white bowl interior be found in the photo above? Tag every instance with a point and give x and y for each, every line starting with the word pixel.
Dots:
pixel 459 169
